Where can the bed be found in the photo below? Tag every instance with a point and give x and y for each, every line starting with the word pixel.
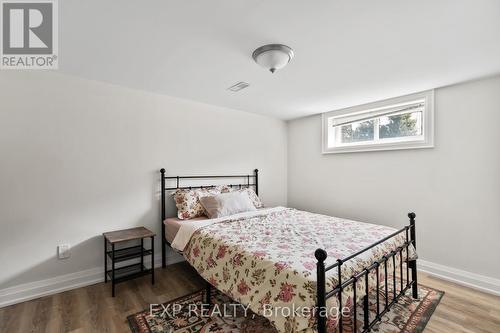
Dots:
pixel 281 258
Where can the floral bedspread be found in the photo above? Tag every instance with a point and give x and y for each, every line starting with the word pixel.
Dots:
pixel 267 262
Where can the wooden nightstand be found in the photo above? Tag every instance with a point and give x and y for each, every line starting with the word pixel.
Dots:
pixel 116 255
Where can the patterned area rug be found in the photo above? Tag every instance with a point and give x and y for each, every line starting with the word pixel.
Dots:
pixel 187 315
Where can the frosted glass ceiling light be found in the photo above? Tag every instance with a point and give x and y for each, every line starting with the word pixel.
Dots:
pixel 273 56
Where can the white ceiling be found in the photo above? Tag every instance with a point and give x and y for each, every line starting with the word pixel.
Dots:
pixel 346 52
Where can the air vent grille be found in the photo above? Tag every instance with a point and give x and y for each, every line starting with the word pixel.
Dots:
pixel 238 86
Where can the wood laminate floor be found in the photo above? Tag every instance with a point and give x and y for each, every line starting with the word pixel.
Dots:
pixel 92 309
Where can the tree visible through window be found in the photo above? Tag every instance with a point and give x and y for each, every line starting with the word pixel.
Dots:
pixel 400 125
pixel 358 132
pixel 396 126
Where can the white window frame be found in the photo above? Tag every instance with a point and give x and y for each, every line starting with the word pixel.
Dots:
pixel 426 140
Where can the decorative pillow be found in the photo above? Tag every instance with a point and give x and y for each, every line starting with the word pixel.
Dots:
pixel 255 198
pixel 251 194
pixel 225 204
pixel 188 203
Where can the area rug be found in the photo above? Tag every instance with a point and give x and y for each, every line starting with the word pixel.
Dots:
pixel 187 315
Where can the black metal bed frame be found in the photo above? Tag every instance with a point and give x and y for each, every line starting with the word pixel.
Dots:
pixel 321 269
pixel 178 185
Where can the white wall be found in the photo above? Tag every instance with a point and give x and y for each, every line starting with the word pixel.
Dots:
pixel 80 157
pixel 453 188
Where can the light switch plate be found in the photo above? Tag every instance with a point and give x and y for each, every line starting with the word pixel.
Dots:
pixel 63 251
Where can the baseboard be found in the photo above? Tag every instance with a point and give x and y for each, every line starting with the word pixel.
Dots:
pixel 27 291
pixel 461 277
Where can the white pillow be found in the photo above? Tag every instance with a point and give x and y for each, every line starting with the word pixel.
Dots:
pixel 251 194
pixel 225 204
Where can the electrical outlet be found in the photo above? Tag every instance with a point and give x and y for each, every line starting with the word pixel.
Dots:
pixel 63 251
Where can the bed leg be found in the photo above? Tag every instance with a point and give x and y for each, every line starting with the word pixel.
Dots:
pixel 320 255
pixel 413 263
pixel 414 287
pixel 208 292
pixel 163 253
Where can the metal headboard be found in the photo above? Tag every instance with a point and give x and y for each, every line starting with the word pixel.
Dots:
pixel 251 181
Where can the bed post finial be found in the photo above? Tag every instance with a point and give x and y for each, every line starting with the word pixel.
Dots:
pixel 256 172
pixel 321 255
pixel 162 170
pixel 413 263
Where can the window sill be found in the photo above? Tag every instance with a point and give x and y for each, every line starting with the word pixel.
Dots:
pixel 378 147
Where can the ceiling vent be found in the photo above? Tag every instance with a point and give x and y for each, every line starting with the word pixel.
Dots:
pixel 238 86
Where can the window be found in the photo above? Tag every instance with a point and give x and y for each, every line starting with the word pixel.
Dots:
pixel 399 123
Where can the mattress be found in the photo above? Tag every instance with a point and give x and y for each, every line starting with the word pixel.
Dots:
pixel 173 224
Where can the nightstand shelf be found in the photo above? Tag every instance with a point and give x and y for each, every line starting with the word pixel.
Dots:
pixel 128 253
pixel 128 272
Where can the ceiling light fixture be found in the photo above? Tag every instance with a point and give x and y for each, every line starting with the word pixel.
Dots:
pixel 273 56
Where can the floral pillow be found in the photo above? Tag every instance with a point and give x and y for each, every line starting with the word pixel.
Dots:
pixel 188 203
pixel 251 194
